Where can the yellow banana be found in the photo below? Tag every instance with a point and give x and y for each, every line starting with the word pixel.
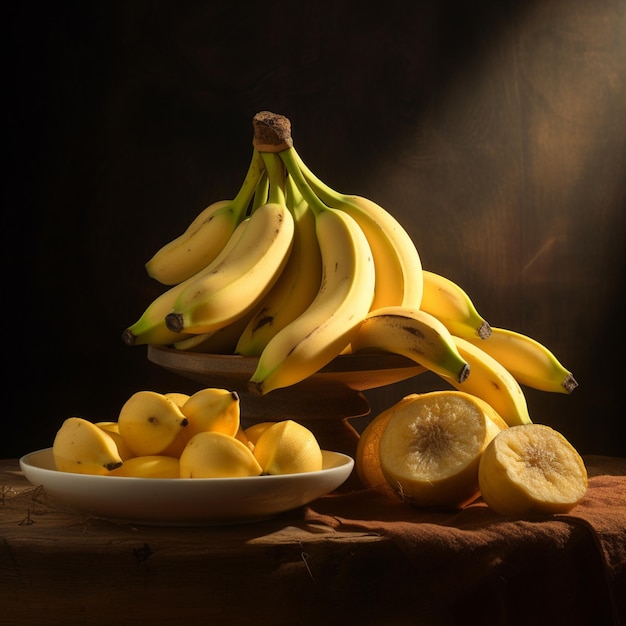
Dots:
pixel 490 380
pixel 207 234
pixel 449 303
pixel 531 363
pixel 414 334
pixel 396 259
pixel 82 447
pixel 236 284
pixel 329 323
pixel 150 328
pixel 294 290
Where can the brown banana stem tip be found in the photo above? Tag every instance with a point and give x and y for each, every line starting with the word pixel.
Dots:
pixel 272 132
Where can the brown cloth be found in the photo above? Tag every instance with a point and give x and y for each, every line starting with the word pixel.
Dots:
pixel 482 568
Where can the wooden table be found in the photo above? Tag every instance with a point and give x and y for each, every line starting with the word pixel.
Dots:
pixel 312 565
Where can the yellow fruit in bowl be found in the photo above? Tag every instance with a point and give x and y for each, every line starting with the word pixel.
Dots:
pixel 216 455
pixel 254 432
pixel 287 447
pixel 212 409
pixel 177 397
pixel 531 468
pixel 82 447
pixel 431 447
pixel 152 466
pixel 149 422
pixel 113 430
pixel 240 435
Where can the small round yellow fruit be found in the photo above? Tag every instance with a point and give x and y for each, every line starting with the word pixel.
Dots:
pixel 216 455
pixel 287 447
pixel 430 449
pixel 256 430
pixel 531 468
pixel 151 466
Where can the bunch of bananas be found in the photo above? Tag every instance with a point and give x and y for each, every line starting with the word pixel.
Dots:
pixel 296 273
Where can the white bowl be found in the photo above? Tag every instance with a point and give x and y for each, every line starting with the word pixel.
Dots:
pixel 185 501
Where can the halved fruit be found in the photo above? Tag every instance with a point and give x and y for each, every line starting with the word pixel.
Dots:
pixel 431 447
pixel 367 457
pixel 531 468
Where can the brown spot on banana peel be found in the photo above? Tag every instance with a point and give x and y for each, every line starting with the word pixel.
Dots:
pixel 416 332
pixel 264 321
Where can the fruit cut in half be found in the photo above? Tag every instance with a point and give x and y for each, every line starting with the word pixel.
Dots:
pixel 531 468
pixel 431 448
pixel 367 458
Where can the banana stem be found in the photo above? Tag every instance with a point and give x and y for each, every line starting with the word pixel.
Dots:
pixel 276 175
pixel 293 168
pixel 245 194
pixel 294 197
pixel 261 193
pixel 326 193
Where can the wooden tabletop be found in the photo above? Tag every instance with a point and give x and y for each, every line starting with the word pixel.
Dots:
pixel 312 565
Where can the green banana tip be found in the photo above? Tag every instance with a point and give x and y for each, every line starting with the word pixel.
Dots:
pixel 464 373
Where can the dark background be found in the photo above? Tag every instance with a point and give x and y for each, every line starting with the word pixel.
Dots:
pixel 495 131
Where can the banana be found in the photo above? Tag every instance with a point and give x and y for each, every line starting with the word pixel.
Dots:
pixel 414 334
pixel 449 303
pixel 207 234
pixel 490 380
pixel 294 290
pixel 149 422
pixel 241 278
pixel 330 322
pixel 531 363
pixel 150 328
pixel 82 447
pixel 396 259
